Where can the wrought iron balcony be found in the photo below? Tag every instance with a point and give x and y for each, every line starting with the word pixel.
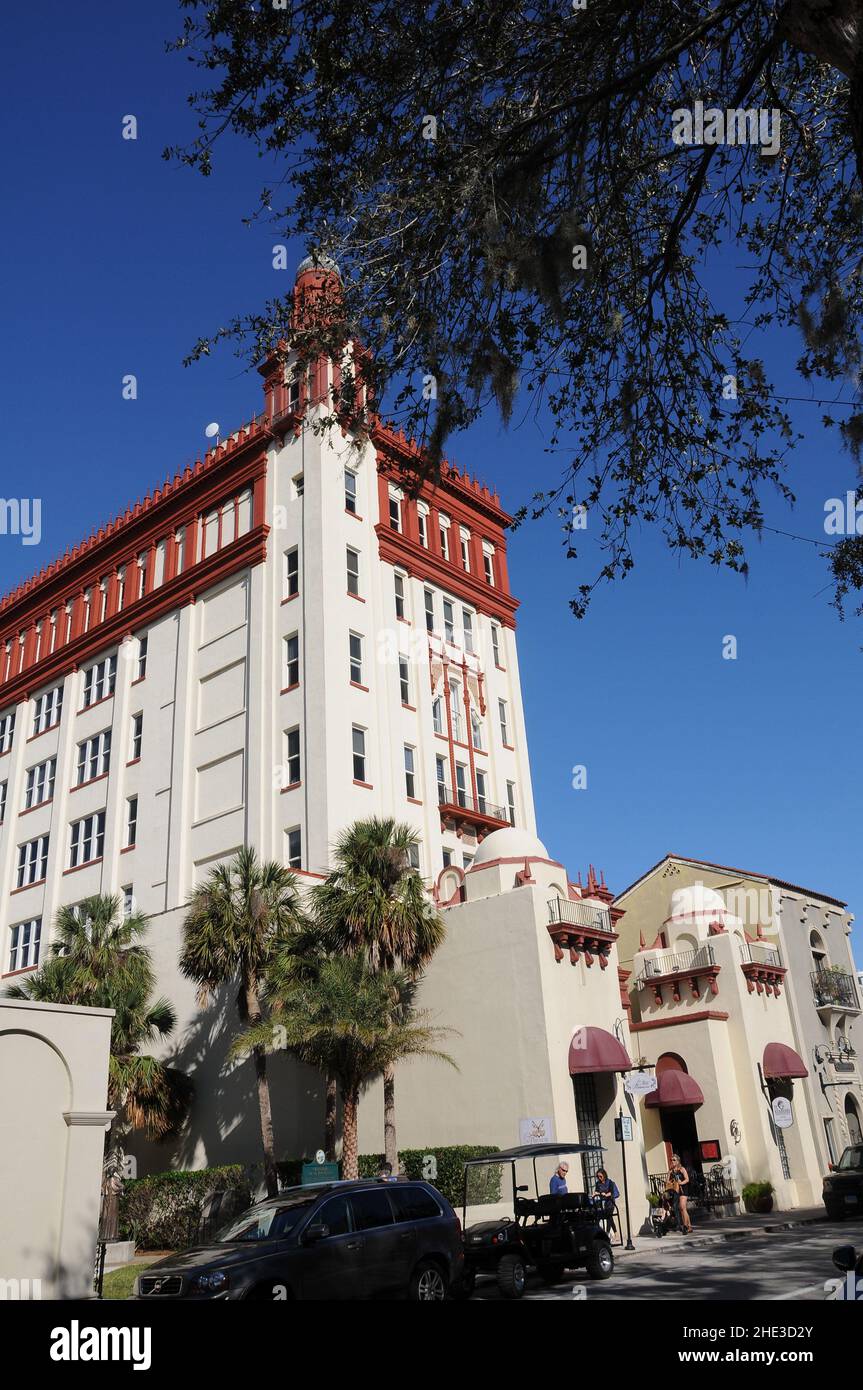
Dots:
pixel 684 967
pixel 834 989
pixel 660 967
pixel 582 929
pixel 461 805
pixel 570 912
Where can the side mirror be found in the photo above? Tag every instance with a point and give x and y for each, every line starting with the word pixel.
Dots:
pixel 845 1258
pixel 315 1231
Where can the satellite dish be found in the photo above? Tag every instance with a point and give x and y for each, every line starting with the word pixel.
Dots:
pixel 212 430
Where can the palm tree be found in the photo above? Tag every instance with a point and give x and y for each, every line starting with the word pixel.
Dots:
pixel 352 1022
pixel 237 921
pixel 97 959
pixel 373 903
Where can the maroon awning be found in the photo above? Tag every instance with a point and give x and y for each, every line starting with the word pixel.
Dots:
pixel 592 1049
pixel 780 1062
pixel 677 1090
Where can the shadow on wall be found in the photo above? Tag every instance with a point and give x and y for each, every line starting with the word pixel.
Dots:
pixel 224 1122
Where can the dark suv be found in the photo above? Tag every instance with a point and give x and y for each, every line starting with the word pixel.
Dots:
pixel 843 1188
pixel 330 1241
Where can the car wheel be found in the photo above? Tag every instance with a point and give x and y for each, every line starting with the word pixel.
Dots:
pixel 511 1276
pixel 600 1261
pixel 428 1283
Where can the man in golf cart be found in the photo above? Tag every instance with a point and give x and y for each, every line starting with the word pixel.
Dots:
pixel 550 1232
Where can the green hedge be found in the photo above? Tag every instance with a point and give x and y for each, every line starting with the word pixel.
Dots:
pixel 163 1211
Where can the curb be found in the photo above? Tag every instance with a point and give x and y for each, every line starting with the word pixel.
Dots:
pixel 700 1242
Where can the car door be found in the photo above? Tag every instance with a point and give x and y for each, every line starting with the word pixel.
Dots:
pixel 387 1256
pixel 331 1267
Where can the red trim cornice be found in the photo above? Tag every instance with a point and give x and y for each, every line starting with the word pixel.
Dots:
pixel 464 496
pixel 700 1017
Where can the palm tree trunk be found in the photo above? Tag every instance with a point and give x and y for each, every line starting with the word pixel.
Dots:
pixel 350 1105
pixel 109 1216
pixel 391 1153
pixel 253 1009
pixel 330 1118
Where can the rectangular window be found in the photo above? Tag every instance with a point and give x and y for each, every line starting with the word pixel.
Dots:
pixel 455 710
pixel 358 740
pixel 40 784
pixel 350 492
pixel 292 757
pixel 294 847
pixel 461 784
pixel 131 822
pixel 480 790
pixel 292 659
pixel 87 840
pixel 404 680
pixel 25 939
pixel 3 790
pixel 137 736
pixel 495 643
pixel 444 541
pixel 94 757
pixel 510 801
pixel 467 860
pixel 395 514
pixel 99 681
pixel 400 594
pixel 429 603
pixel 353 564
pixel 440 774
pixel 448 621
pixel 355 654
pixel 292 573
pixel 128 899
pixel 410 773
pixel 143 643
pixel 32 861
pixel 476 730
pixel 437 715
pixel 488 566
pixel 464 541
pixel 47 710
pixel 414 857
pixel 504 727
pixel 7 732
pixel 467 627
pixel 447 858
pixel 423 528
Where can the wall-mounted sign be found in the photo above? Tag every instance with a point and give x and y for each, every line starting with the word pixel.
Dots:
pixel 783 1115
pixel 640 1083
pixel 536 1131
pixel 710 1150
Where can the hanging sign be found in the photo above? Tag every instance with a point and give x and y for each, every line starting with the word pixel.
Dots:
pixel 640 1083
pixel 623 1133
pixel 783 1115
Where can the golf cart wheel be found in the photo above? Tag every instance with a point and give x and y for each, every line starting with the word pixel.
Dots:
pixel 511 1276
pixel 600 1261
pixel 428 1283
pixel 551 1273
pixel 465 1286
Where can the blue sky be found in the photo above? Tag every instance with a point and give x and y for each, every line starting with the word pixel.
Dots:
pixel 115 262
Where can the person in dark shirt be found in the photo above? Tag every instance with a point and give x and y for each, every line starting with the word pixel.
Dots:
pixel 606 1192
pixel 557 1187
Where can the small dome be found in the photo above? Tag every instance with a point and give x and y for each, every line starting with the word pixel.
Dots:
pixel 509 843
pixel 323 263
pixel 698 904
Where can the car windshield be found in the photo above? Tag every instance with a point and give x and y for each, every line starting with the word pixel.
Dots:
pixel 851 1158
pixel 264 1223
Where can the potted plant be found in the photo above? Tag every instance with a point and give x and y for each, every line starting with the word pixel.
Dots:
pixel 758 1197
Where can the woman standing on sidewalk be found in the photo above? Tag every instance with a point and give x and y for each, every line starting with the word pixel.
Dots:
pixel 678 1186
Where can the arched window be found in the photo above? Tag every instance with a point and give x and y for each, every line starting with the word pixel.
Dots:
pixel 820 960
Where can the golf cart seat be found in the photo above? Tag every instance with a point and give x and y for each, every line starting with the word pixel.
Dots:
pixel 525 1206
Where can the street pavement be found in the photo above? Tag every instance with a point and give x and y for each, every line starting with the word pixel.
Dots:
pixel 789 1265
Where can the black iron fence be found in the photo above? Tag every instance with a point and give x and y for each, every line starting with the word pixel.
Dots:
pixel 676 964
pixel 834 987
pixel 706 1190
pixel 479 804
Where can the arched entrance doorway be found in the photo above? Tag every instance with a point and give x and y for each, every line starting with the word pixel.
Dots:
pixel 852 1120
pixel 677 1097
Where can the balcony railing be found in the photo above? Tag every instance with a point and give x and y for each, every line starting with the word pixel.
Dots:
pixel 759 954
pixel 834 988
pixel 463 801
pixel 660 966
pixel 577 914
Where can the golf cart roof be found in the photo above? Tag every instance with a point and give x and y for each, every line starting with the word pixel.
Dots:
pixel 532 1151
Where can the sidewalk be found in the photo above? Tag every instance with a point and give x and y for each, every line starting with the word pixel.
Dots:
pixel 712 1232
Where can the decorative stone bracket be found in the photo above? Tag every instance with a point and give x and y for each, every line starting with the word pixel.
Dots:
pixel 764 979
